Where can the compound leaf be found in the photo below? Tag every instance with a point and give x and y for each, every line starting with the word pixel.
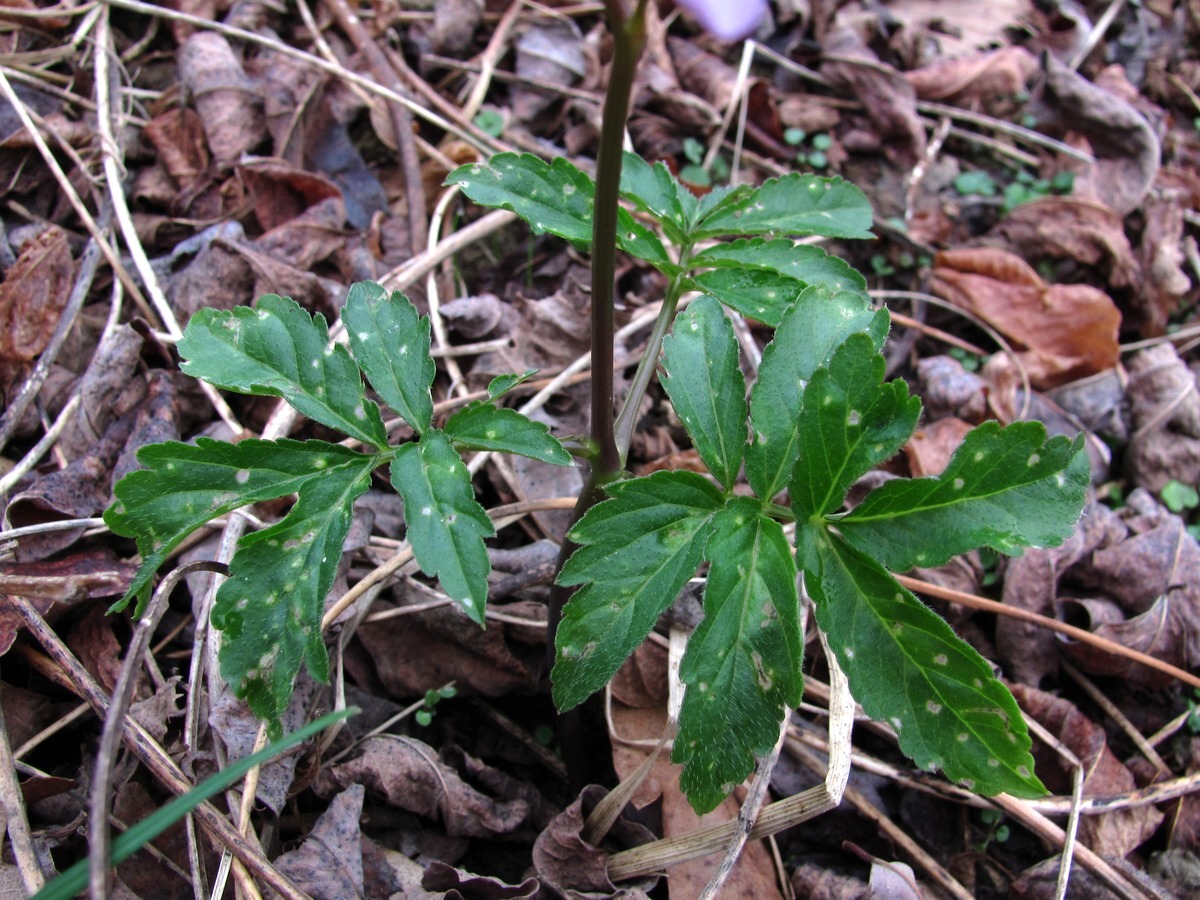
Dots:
pixel 446 525
pixel 637 550
pixel 269 609
pixel 391 343
pixel 1005 488
pixel 182 486
pixel 789 262
pixel 850 423
pixel 553 197
pixel 743 662
pixel 757 293
pixel 483 426
pixel 906 666
pixel 653 189
pixel 794 204
pixel 279 350
pixel 809 333
pixel 705 382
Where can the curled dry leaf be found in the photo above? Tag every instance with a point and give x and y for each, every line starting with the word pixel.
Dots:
pixel 1153 572
pixel 89 575
pixel 1028 652
pixel 1126 149
pixel 1115 833
pixel 227 99
pixel 568 864
pixel 409 773
pixel 1066 330
pixel 329 864
pixel 1163 260
pixel 1165 410
pixel 460 883
pixel 948 389
pixel 1071 228
pixel 282 191
pixel 982 78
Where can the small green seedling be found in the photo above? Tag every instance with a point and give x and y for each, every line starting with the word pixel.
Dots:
pixel 490 121
pixel 695 173
pixel 996 829
pixel 1179 497
pixel 433 697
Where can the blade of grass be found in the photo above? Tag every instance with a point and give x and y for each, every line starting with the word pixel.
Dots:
pixel 74 879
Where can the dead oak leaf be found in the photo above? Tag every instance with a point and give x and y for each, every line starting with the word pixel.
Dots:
pixel 410 775
pixel 1067 331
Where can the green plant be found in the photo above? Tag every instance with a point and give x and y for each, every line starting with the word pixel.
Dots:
pixel 695 173
pixel 1023 189
pixel 820 143
pixel 433 697
pixel 995 829
pixel 819 416
pixel 490 121
pixel 270 607
pixel 1179 497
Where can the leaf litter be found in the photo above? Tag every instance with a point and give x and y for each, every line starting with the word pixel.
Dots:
pixel 260 173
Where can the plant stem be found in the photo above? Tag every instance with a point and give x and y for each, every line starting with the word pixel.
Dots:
pixel 629 40
pixel 576 738
pixel 645 370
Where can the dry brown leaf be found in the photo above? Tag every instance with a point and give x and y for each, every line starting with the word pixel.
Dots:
pixel 1067 330
pixel 460 883
pixel 421 651
pixel 568 864
pixel 982 78
pixel 87 575
pixel 1163 260
pixel 328 865
pixel 1112 834
pixel 1165 411
pixel 281 191
pixel 890 101
pixel 409 773
pixel 143 874
pixel 178 137
pixel 1153 573
pixel 1071 228
pixel 227 100
pixel 1126 149
pixel 931 446
pixel 639 713
pixel 230 719
pixel 1028 652
pixel 549 52
pixel 947 389
pixel 33 295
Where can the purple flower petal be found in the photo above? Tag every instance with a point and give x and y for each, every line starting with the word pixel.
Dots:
pixel 729 20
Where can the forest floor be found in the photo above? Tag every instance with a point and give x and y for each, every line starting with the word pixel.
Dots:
pixel 1033 169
